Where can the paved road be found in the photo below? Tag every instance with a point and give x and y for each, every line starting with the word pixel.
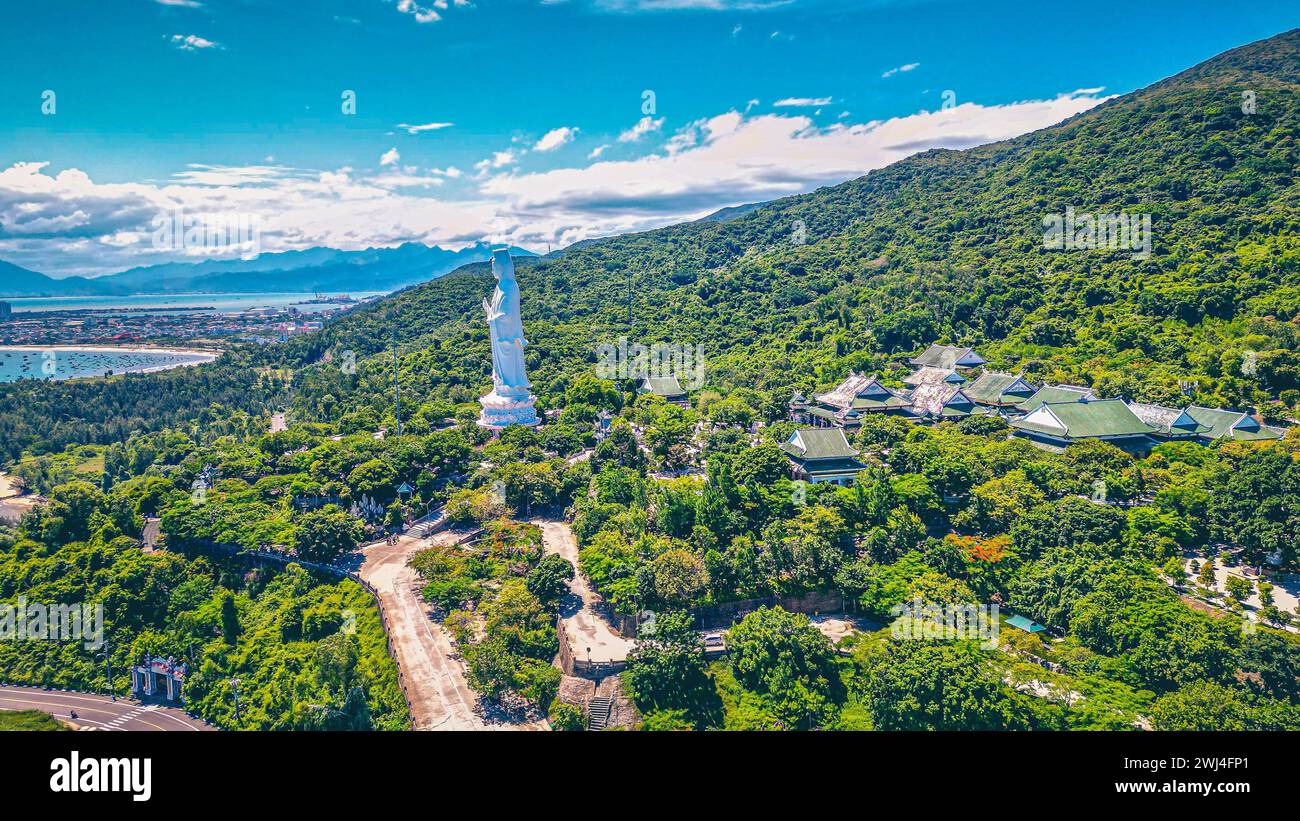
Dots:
pixel 440 697
pixel 99 712
pixel 585 626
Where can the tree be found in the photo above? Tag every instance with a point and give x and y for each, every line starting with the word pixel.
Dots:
pixel 667 671
pixel 1200 706
pixel 1206 576
pixel 471 506
pixel 70 511
pixel 1069 521
pixel 679 577
pixel 928 684
pixel 376 479
pixel 998 503
pixel 336 658
pixel 324 535
pixel 782 656
pixel 230 628
pixel 1174 570
pixel 763 464
pixel 1239 588
pixel 549 580
pixel 598 393
pixel 565 717
pixel 1273 659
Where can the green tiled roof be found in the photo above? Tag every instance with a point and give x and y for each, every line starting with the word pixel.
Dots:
pixel 1052 394
pixel 663 386
pixel 990 386
pixel 819 443
pixel 891 401
pixel 1234 425
pixel 947 356
pixel 1085 420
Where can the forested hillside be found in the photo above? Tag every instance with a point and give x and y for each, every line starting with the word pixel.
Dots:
pixel 1154 621
pixel 947 246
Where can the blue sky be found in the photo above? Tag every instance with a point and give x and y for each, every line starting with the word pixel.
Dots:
pixel 522 120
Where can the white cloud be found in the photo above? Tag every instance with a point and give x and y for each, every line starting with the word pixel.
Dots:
pixel 192 42
pixel 420 129
pixel 66 223
pixel 390 157
pixel 189 4
pixel 555 138
pixel 801 102
pixel 597 151
pixel 905 67
pixel 499 159
pixel 737 159
pixel 643 127
pixel 422 14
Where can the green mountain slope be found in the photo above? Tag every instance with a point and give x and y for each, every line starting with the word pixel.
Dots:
pixel 946 245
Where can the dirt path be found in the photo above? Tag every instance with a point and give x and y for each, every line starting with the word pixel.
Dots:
pixel 440 697
pixel 583 624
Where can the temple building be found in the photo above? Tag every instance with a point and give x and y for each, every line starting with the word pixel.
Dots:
pixel 846 404
pixel 943 387
pixel 1057 425
pixel 948 357
pixel 1054 394
pixel 1231 425
pixel 667 388
pixel 1171 424
pixel 1000 391
pixel 930 375
pixel 1204 424
pixel 822 455
pixel 940 401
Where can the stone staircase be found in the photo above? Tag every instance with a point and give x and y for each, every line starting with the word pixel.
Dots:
pixel 598 710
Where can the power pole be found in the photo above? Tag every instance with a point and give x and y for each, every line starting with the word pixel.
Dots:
pixel 397 391
pixel 108 670
pixel 234 686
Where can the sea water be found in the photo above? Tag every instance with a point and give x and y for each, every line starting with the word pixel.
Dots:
pixel 69 363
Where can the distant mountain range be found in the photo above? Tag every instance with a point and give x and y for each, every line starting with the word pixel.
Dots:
pixel 307 271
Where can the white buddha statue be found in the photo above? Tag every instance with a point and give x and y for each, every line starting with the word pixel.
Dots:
pixel 511 401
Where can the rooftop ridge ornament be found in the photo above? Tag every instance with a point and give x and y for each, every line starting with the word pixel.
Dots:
pixel 511 402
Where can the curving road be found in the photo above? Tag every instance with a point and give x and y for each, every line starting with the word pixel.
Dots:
pixel 593 637
pixel 437 690
pixel 100 712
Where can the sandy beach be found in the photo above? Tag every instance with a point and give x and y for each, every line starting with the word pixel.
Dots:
pixel 7 488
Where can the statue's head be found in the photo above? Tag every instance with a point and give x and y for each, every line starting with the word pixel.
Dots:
pixel 502 266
